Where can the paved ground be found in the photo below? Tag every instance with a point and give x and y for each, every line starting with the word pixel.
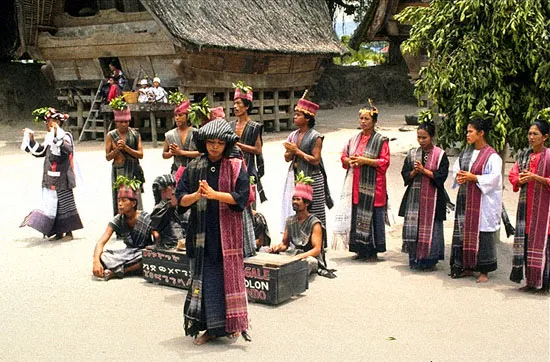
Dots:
pixel 53 310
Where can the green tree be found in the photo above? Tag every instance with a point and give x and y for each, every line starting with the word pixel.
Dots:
pixel 487 58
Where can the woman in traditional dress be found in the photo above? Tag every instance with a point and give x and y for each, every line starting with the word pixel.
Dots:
pixel 366 157
pixel 425 201
pixel 178 142
pixel 58 214
pixel 303 150
pixel 478 205
pixel 216 188
pixel 531 176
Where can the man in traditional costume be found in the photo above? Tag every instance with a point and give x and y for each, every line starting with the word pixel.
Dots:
pixel 363 202
pixel 304 232
pixel 133 226
pixel 123 146
pixel 303 150
pixel 165 220
pixel 250 135
pixel 478 205
pixel 58 214
pixel 531 176
pixel 216 188
pixel 424 204
pixel 178 142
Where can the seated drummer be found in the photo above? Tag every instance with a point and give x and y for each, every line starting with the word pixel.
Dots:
pixel 133 226
pixel 304 232
pixel 165 219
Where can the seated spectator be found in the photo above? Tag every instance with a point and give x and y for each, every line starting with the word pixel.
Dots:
pixel 165 220
pixel 134 227
pixel 145 94
pixel 159 93
pixel 261 230
pixel 304 233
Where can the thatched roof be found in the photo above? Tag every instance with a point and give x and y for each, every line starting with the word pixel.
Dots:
pixel 286 26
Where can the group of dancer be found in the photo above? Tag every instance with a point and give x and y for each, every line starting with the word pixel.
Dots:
pixel 216 173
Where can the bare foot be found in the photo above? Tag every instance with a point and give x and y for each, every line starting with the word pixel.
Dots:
pixel 205 337
pixel 483 278
pixel 233 335
pixel 466 273
pixel 67 237
pixel 107 274
pixel 358 257
pixel 525 288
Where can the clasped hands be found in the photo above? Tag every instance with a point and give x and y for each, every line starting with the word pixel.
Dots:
pixel 174 149
pixel 464 176
pixel 290 147
pixel 357 161
pixel 205 190
pixel 526 176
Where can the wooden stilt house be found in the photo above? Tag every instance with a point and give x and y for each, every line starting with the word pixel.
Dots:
pixel 200 47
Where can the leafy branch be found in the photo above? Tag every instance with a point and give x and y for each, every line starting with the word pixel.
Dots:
pixel 118 103
pixel 199 112
pixel 134 183
pixel 301 178
pixel 176 97
pixel 243 87
pixel 40 113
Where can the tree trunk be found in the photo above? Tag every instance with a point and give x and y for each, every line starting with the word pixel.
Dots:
pixel 394 54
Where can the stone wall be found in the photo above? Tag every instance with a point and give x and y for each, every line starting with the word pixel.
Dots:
pixel 340 85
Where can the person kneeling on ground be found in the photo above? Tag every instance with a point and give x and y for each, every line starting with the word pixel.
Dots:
pixel 165 220
pixel 304 234
pixel 135 229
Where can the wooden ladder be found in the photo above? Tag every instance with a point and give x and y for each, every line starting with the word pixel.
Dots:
pixel 93 123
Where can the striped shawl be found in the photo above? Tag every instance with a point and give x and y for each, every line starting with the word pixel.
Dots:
pixel 421 204
pixel 367 185
pixel 231 231
pixel 468 208
pixel 538 228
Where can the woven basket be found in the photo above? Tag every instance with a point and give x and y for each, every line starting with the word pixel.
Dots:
pixel 130 97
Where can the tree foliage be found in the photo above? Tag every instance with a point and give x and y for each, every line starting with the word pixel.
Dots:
pixel 488 59
pixel 363 57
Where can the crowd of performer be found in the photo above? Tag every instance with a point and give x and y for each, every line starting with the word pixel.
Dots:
pixel 206 204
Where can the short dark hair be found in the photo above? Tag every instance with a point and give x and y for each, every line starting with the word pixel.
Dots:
pixel 481 125
pixel 309 204
pixel 543 126
pixel 428 127
pixel 247 103
pixel 310 120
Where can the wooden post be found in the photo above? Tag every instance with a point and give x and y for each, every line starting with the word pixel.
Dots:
pixel 277 124
pixel 227 104
pixel 290 110
pixel 261 110
pixel 79 114
pixel 153 121
pixel 210 96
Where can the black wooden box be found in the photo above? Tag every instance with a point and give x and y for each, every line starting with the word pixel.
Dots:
pixel 269 279
pixel 273 279
pixel 167 267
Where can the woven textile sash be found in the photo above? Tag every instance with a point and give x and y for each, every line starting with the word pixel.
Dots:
pixel 472 209
pixel 194 321
pixel 538 228
pixel 418 227
pixel 367 186
pixel 231 231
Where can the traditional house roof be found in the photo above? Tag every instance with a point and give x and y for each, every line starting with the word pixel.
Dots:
pixel 285 26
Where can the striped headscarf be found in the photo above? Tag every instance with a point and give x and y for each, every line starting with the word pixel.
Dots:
pixel 217 129
pixel 55 114
pixel 160 183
